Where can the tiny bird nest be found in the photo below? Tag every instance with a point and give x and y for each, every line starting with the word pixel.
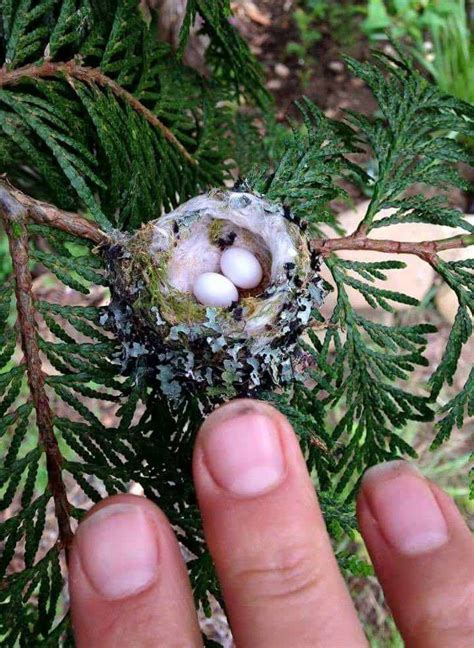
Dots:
pixel 213 353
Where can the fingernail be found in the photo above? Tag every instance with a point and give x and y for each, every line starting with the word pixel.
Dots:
pixel 118 550
pixel 243 452
pixel 405 508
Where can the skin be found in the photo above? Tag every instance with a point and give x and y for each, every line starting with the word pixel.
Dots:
pixel 278 574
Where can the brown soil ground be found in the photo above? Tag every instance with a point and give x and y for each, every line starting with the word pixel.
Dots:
pixel 268 27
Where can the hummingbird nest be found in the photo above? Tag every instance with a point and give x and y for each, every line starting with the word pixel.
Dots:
pixel 188 349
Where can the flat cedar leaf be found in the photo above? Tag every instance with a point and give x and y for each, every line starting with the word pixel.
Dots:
pixel 459 335
pixel 455 411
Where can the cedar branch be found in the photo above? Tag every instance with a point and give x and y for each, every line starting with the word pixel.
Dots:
pixel 16 207
pixel 427 250
pixel 46 214
pixel 14 216
pixel 73 70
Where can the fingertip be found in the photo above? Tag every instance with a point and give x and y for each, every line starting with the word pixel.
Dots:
pixel 240 449
pixel 117 547
pixel 451 512
pixel 266 532
pixel 113 564
pixel 130 502
pixel 127 579
pixel 422 552
pixel 237 408
pixel 387 470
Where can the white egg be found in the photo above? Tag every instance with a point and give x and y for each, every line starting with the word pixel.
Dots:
pixel 213 289
pixel 241 267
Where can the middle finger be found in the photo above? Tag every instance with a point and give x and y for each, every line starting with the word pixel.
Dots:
pixel 263 525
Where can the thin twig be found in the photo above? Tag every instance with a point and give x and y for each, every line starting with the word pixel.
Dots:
pixel 90 75
pixel 426 250
pixel 14 217
pixel 46 214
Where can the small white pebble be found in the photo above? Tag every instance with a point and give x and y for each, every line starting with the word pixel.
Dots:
pixel 282 70
pixel 213 289
pixel 241 267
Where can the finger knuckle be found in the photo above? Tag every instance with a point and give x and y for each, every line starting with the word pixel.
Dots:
pixel 290 572
pixel 448 615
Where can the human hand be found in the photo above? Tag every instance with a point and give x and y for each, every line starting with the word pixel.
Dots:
pixel 266 534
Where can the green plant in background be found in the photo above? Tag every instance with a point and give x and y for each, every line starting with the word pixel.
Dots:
pixel 451 60
pixel 105 129
pixel 5 263
pixel 404 18
pixel 306 18
pixel 309 17
pixel 439 33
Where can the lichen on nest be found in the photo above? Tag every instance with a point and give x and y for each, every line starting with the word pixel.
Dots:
pixel 186 348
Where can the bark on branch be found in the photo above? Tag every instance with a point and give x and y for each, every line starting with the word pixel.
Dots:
pixel 73 70
pixel 14 216
pixel 46 214
pixel 427 250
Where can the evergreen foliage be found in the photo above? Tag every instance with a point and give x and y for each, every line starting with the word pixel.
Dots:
pixel 99 118
pixel 115 65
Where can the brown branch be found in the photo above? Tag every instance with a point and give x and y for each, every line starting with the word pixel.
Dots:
pixel 426 250
pixel 46 214
pixel 73 70
pixel 14 217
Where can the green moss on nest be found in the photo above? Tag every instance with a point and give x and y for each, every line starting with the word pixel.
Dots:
pixel 177 309
pixel 174 307
pixel 141 239
pixel 215 231
pixel 250 304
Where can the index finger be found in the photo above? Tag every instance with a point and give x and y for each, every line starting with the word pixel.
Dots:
pixel 128 581
pixel 266 533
